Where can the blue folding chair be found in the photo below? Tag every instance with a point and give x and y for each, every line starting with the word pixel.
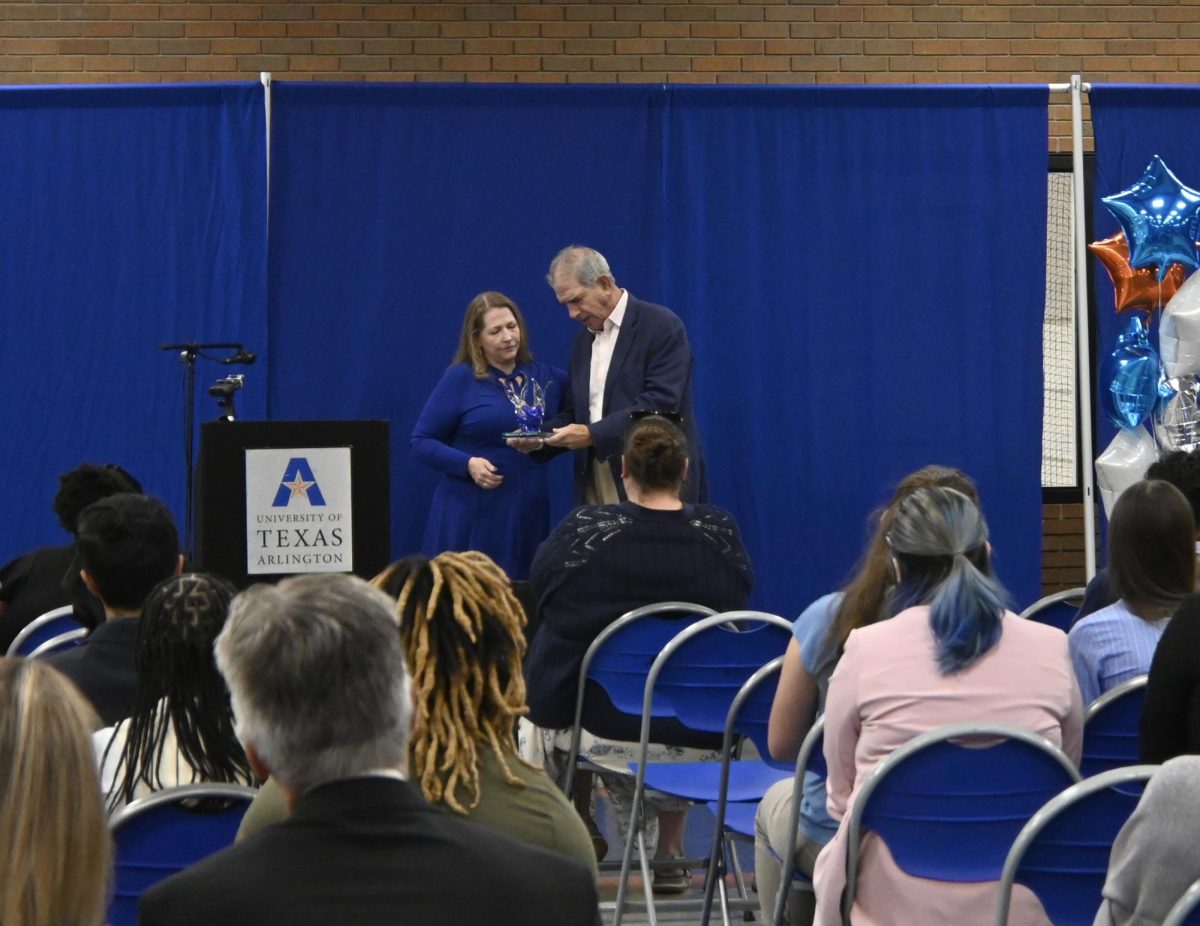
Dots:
pixel 740 817
pixel 696 679
pixel 735 805
pixel 165 833
pixel 619 659
pixel 1062 853
pixel 809 761
pixel 1111 737
pixel 44 628
pixel 1057 610
pixel 949 803
pixel 68 640
pixel 1186 911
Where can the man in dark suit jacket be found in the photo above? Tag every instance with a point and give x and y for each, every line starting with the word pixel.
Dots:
pixel 632 355
pixel 321 694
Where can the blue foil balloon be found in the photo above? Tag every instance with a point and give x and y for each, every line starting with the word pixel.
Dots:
pixel 1129 377
pixel 1160 217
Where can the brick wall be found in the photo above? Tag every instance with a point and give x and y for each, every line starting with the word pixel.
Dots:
pixel 1062 547
pixel 851 41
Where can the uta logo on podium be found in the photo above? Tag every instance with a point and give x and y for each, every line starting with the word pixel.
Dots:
pixel 298 481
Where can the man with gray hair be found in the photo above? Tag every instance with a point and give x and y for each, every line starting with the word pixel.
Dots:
pixel 321 698
pixel 630 356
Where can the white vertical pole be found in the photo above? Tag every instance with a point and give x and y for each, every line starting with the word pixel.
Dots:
pixel 1082 349
pixel 265 79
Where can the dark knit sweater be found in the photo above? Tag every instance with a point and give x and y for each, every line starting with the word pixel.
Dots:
pixel 605 560
pixel 1171 716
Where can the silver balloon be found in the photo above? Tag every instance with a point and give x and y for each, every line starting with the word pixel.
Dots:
pixel 1177 420
pixel 1179 330
pixel 1123 463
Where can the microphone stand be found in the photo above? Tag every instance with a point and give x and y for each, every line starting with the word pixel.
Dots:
pixel 187 356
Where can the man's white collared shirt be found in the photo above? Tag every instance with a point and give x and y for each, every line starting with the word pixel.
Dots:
pixel 603 343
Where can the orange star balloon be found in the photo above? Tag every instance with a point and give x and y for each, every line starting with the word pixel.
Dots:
pixel 1135 288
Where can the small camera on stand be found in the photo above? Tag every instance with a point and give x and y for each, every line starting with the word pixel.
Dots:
pixel 223 390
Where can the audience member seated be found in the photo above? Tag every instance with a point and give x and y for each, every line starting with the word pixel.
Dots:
pixel 605 560
pixel 127 545
pixel 460 626
pixel 321 695
pixel 1151 568
pixel 55 851
pixel 1154 858
pixel 1182 470
pixel 819 635
pixel 952 653
pixel 48 578
pixel 1170 723
pixel 181 729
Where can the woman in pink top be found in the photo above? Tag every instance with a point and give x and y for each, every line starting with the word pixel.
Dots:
pixel 952 653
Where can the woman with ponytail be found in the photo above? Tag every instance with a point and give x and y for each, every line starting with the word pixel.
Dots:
pixel 818 636
pixel 952 653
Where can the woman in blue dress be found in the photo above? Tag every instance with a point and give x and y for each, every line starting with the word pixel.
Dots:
pixel 491 498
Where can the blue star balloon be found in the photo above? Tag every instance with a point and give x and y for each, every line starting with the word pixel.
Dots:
pixel 1160 217
pixel 1129 377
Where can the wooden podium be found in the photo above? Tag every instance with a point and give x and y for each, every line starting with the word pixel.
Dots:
pixel 280 498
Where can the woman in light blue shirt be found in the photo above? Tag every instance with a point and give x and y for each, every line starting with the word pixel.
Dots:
pixel 1151 567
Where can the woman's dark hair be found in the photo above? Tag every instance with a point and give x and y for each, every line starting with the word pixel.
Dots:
pixel 79 487
pixel 1151 548
pixel 175 666
pixel 939 540
pixel 656 453
pixel 462 631
pixel 1182 470
pixel 864 598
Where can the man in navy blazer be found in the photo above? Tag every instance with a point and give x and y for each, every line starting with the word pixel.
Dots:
pixel 630 355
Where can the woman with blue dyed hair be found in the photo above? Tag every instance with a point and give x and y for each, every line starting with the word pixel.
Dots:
pixel 818 635
pixel 952 653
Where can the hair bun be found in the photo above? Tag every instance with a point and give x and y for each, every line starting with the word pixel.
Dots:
pixel 656 453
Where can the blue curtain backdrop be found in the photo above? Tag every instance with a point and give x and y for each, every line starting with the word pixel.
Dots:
pixel 1131 124
pixel 134 216
pixel 861 272
pixel 863 275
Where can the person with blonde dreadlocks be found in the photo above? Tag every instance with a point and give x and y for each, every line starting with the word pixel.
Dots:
pixel 462 630
pixel 180 730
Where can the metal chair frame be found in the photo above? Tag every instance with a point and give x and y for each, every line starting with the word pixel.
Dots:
pixel 722 851
pixel 60 642
pixel 136 808
pixel 1113 694
pixel 1130 688
pixel 1042 604
pixel 1070 799
pixel 790 877
pixel 636 838
pixel 1186 911
pixel 39 622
